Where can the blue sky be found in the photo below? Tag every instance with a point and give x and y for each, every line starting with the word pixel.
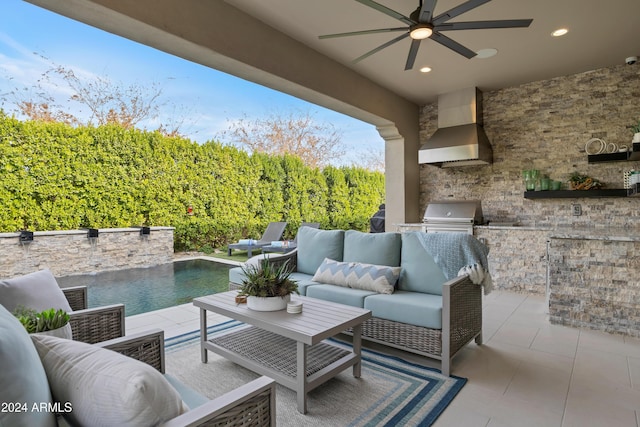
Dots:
pixel 210 98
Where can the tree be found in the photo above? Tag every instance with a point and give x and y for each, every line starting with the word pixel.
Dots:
pixel 98 101
pixel 315 143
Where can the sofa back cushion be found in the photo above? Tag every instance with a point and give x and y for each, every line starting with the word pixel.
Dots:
pixel 23 380
pixel 315 245
pixel 372 248
pixel 420 273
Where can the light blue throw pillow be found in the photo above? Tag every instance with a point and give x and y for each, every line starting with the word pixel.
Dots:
pixel 315 245
pixel 23 380
pixel 356 275
pixel 372 248
pixel 420 273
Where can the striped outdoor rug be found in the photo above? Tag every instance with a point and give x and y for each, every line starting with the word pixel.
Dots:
pixel 390 392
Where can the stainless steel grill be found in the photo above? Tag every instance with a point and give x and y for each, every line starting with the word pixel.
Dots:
pixel 452 216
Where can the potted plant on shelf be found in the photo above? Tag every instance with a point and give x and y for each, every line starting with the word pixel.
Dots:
pixel 47 322
pixel 636 132
pixel 579 181
pixel 268 287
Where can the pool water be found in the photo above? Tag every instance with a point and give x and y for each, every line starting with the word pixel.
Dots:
pixel 147 289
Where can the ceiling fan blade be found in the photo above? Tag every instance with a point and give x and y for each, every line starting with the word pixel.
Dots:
pixel 379 48
pixel 413 52
pixel 480 25
pixel 426 11
pixel 389 12
pixel 453 45
pixel 458 10
pixel 358 33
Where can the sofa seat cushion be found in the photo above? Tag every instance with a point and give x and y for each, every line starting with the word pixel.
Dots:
pixel 304 281
pixel 106 388
pixel 420 273
pixel 339 294
pixel 38 291
pixel 22 377
pixel 236 275
pixel 414 308
pixel 315 245
pixel 357 275
pixel 372 248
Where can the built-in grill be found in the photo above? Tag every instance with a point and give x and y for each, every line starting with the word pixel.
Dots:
pixel 452 216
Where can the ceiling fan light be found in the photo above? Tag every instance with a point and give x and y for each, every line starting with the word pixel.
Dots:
pixel 420 32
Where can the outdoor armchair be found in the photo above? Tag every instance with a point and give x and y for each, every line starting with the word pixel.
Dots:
pixel 92 325
pixel 39 290
pixel 273 232
pixel 252 404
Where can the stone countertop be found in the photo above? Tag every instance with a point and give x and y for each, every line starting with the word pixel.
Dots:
pixel 512 226
pixel 576 233
pixel 597 233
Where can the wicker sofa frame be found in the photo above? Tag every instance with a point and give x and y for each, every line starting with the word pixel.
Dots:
pixel 461 321
pixel 252 404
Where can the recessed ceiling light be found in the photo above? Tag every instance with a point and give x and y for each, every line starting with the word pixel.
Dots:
pixel 486 53
pixel 425 69
pixel 560 32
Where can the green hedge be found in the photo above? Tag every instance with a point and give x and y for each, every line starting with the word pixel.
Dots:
pixel 54 177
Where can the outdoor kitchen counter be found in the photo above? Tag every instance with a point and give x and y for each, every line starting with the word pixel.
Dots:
pixel 594 278
pixel 597 233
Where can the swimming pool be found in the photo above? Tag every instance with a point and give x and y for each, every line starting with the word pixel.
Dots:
pixel 147 289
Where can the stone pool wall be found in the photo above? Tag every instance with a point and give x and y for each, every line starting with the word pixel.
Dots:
pixel 73 252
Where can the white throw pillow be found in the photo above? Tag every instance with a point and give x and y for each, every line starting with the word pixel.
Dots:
pixel 39 291
pixel 105 388
pixel 357 275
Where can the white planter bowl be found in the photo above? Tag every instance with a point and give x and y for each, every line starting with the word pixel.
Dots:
pixel 268 303
pixel 63 332
pixel 636 137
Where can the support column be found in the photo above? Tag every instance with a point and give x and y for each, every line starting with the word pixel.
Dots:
pixel 400 185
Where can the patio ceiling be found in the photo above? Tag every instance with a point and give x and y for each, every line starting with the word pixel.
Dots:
pixel 601 34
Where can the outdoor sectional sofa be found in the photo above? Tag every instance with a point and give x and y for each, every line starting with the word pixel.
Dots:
pixel 424 312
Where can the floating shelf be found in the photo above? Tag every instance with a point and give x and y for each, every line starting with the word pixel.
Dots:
pixel 575 194
pixel 633 155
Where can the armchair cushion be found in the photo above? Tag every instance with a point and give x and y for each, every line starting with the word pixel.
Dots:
pixel 106 388
pixel 39 291
pixel 23 379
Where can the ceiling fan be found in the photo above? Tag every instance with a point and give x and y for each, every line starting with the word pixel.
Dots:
pixel 422 24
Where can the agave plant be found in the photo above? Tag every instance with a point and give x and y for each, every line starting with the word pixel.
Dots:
pixel 268 280
pixel 46 320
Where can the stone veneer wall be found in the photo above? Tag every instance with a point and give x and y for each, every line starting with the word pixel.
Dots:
pixel 517 258
pixel 71 252
pixel 591 286
pixel 543 125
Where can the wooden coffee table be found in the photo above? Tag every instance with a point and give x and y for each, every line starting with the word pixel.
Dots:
pixel 286 347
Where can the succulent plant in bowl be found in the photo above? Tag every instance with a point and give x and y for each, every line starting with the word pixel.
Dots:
pixel 268 285
pixel 47 320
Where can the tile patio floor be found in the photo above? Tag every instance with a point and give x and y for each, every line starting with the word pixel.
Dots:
pixel 527 373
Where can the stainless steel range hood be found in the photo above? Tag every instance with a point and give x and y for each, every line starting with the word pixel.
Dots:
pixel 460 139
